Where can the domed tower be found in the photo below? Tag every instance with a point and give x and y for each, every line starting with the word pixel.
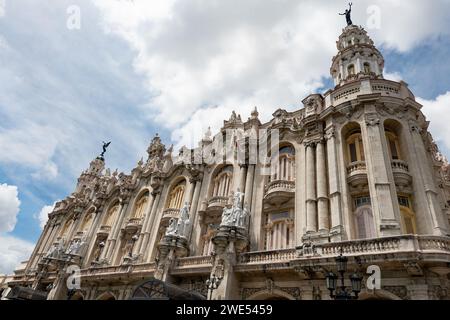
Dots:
pixel 357 57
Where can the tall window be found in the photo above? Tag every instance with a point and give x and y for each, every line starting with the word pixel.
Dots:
pixel 408 216
pixel 208 245
pixel 367 69
pixel 393 146
pixel 355 148
pixel 223 182
pixel 111 215
pixel 351 70
pixel 87 221
pixel 279 231
pixel 65 230
pixel 365 226
pixel 176 196
pixel 285 169
pixel 140 206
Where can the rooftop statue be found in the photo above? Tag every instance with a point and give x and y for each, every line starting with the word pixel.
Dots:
pixel 105 146
pixel 347 14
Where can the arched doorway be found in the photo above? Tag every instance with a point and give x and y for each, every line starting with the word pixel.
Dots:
pixel 155 289
pixel 106 296
pixel 272 295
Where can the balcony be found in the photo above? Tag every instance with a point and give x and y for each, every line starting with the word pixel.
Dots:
pixel 133 224
pixel 79 235
pixel 400 170
pixel 217 202
pixel 355 88
pixel 193 265
pixel 379 250
pixel 104 231
pixel 279 191
pixel 169 214
pixel 357 173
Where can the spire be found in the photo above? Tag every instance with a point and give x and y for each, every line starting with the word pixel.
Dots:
pixel 357 57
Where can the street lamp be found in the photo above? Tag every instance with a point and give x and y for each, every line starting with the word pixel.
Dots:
pixel 212 284
pixel 341 292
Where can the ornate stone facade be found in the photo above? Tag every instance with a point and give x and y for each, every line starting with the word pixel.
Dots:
pixel 356 170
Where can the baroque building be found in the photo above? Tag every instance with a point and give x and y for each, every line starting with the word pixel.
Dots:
pixel 355 172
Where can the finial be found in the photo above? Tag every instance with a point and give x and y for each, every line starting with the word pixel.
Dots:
pixel 255 113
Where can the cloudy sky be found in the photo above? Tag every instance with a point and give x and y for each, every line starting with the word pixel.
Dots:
pixel 75 73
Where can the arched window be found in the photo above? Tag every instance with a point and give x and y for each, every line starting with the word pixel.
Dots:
pixel 87 221
pixel 223 182
pixel 365 226
pixel 367 69
pixel 279 231
pixel 111 215
pixel 408 216
pixel 355 148
pixel 285 169
pixel 65 230
pixel 351 70
pixel 208 245
pixel 176 196
pixel 393 146
pixel 140 206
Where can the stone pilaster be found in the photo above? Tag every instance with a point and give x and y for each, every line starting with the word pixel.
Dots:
pixel 145 231
pixel 322 192
pixel 311 198
pixel 334 186
pixel 228 243
pixel 379 173
pixel 429 213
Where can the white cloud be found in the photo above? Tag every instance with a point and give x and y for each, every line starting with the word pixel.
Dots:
pixel 12 252
pixel 202 59
pixel 48 172
pixel 9 207
pixel 2 8
pixel 394 76
pixel 437 112
pixel 42 216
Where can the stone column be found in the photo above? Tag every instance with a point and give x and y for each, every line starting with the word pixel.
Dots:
pixel 322 192
pixel 193 212
pixel 311 209
pixel 249 186
pixel 334 186
pixel 300 197
pixel 145 227
pixel 38 250
pixel 428 212
pixel 108 250
pixel 148 245
pixel 383 194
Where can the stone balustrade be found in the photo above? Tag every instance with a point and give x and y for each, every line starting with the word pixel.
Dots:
pixel 387 245
pixel 194 261
pixel 218 202
pixel 169 214
pixel 104 230
pixel 356 166
pixel 400 165
pixel 280 185
pixel 352 90
pixel 118 270
pixel 282 255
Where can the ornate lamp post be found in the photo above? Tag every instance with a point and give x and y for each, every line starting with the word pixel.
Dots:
pixel 341 292
pixel 212 284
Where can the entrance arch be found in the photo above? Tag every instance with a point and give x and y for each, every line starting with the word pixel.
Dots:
pixel 378 295
pixel 106 296
pixel 271 295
